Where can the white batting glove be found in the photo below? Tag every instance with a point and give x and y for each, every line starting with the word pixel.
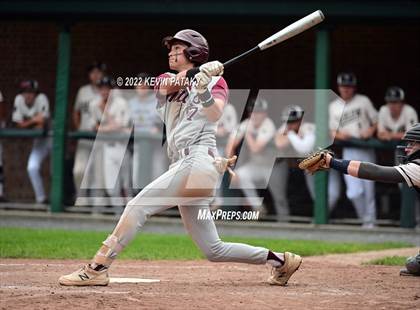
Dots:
pixel 202 80
pixel 212 68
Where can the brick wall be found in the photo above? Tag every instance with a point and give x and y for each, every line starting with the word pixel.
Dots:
pixel 379 55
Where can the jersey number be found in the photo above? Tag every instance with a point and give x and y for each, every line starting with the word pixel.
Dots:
pixel 191 112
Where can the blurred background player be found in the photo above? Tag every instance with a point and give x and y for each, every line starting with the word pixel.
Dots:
pixel 297 138
pixel 257 132
pixel 31 110
pixel 355 117
pixel 2 125
pixel 225 126
pixel 145 119
pixel 111 115
pixel 83 121
pixel 396 116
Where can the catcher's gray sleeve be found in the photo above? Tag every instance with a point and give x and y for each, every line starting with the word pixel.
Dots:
pixel 379 173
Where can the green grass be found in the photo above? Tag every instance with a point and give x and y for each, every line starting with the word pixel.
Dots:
pixel 60 244
pixel 388 261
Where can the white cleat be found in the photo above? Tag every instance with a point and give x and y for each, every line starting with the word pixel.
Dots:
pixel 280 275
pixel 85 276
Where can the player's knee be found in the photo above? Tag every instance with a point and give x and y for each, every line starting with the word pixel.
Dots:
pixel 32 168
pixel 214 253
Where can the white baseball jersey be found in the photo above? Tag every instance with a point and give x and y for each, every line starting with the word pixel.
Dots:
pixel 84 97
pixel 116 108
pixel 406 120
pixel 186 123
pixel 303 141
pixel 353 116
pixel 22 112
pixel 143 112
pixel 411 173
pixel 229 119
pixel 264 133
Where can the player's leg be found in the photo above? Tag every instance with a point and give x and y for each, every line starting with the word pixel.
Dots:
pixel 278 188
pixel 369 219
pixel 204 234
pixel 354 192
pixel 246 178
pixel 39 151
pixel 80 170
pixel 154 198
pixel 334 188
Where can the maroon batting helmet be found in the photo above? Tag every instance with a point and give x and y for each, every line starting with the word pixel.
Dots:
pixel 198 48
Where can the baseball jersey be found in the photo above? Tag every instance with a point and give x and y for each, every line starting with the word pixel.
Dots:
pixel 116 107
pixel 229 118
pixel 302 141
pixel 183 115
pixel 353 116
pixel 84 97
pixel 22 112
pixel 143 113
pixel 264 133
pixel 406 120
pixel 411 173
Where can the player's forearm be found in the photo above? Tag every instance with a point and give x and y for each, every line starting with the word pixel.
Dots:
pixel 26 124
pixel 76 119
pixel 397 135
pixel 368 171
pixel 214 111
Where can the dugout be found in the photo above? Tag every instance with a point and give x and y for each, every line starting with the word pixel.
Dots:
pixel 53 41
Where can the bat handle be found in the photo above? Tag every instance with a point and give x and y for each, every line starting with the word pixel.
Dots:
pixel 240 57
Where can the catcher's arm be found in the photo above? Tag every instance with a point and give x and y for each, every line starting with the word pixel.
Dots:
pixel 324 159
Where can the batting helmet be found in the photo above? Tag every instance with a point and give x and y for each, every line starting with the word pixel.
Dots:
pixel 346 79
pixel 198 48
pixel 413 134
pixel 29 86
pixel 394 94
pixel 293 113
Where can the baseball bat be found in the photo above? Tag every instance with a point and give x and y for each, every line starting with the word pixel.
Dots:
pixel 286 33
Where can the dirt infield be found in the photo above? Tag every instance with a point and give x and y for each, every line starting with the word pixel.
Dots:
pixel 330 282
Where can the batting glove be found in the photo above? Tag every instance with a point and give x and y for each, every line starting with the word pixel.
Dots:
pixel 212 68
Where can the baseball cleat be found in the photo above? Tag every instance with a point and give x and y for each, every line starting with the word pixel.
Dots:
pixel 280 275
pixel 85 276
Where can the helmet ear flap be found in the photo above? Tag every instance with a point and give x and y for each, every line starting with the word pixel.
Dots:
pixel 194 54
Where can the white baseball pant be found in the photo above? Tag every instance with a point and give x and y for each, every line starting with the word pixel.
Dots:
pixel 190 184
pixel 40 149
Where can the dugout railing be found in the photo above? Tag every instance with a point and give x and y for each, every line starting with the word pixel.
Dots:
pixel 408 196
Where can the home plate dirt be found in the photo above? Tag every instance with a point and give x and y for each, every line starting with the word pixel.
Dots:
pixel 329 282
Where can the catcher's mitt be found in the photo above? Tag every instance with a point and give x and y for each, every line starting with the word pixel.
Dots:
pixel 315 161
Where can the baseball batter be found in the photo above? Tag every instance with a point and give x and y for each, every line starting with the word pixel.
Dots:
pixel 355 117
pixel 190 112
